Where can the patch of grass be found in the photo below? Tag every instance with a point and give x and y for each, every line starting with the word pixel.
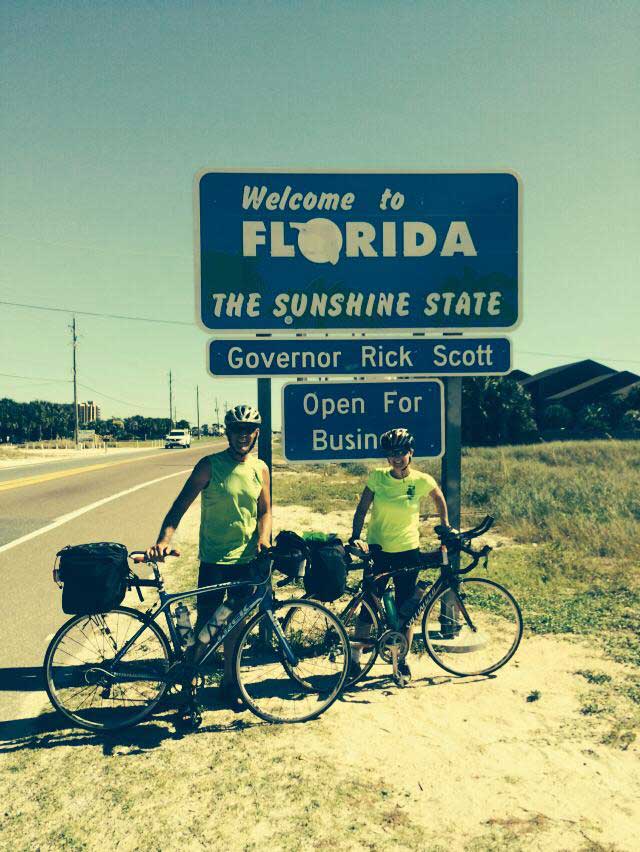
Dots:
pixel 592 709
pixel 594 677
pixel 621 735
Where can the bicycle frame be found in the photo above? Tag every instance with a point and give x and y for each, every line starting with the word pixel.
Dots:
pixel 262 599
pixel 447 580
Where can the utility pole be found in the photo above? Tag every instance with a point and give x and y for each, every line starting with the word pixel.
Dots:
pixel 198 408
pixel 170 403
pixel 217 413
pixel 74 338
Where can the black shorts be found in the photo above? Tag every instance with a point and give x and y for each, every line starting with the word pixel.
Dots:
pixel 404 584
pixel 211 573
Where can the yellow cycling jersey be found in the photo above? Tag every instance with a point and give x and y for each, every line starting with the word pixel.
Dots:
pixel 395 512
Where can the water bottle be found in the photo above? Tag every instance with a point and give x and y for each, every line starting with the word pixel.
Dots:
pixel 408 608
pixel 390 609
pixel 183 625
pixel 214 624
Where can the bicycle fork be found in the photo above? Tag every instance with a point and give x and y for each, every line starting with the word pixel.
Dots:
pixel 284 645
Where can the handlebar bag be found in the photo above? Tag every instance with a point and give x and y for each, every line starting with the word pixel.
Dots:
pixel 290 554
pixel 326 574
pixel 94 577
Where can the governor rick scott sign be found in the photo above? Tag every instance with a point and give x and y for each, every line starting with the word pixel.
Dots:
pixel 327 251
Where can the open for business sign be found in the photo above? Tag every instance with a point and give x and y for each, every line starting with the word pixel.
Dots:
pixel 343 421
pixel 328 251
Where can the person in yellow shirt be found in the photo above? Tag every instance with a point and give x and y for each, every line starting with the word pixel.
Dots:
pixel 395 493
pixel 235 525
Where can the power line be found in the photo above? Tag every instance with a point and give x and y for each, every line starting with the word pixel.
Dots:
pixel 561 355
pixel 95 314
pixel 115 399
pixel 35 378
pixel 190 324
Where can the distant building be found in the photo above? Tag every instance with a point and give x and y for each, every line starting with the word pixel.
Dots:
pixel 88 412
pixel 519 375
pixel 577 384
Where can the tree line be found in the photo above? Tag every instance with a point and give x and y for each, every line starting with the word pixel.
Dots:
pixel 40 420
pixel 495 410
pixel 498 410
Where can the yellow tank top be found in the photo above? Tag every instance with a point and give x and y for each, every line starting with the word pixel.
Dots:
pixel 229 510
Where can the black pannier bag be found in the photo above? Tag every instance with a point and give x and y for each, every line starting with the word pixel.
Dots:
pixel 94 577
pixel 290 554
pixel 326 574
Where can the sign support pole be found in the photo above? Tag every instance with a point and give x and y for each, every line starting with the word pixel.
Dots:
pixel 264 438
pixel 451 476
pixel 451 461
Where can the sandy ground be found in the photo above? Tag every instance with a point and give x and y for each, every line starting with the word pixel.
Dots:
pixel 535 771
pixel 505 762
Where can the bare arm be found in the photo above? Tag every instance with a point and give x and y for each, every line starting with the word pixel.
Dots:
pixel 441 506
pixel 198 480
pixel 362 508
pixel 264 512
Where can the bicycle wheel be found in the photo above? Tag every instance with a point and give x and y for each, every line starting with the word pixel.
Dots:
pixel 475 631
pixel 82 682
pixel 362 634
pixel 269 684
pixel 361 622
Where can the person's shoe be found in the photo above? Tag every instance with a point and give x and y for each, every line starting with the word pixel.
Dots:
pixel 189 717
pixel 404 670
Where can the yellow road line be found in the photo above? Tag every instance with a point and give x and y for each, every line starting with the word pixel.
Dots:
pixel 60 474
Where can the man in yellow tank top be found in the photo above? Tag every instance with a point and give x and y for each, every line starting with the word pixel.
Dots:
pixel 235 521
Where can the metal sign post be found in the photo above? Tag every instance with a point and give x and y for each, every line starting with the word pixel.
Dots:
pixel 264 438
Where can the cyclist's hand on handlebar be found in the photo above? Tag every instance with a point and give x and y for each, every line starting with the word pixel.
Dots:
pixel 360 544
pixel 262 544
pixel 158 551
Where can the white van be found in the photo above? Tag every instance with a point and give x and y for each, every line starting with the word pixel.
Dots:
pixel 177 438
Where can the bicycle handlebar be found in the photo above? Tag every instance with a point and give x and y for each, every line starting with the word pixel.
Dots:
pixel 140 556
pixel 451 542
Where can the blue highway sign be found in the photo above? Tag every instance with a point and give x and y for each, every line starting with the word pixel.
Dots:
pixel 326 251
pixel 343 421
pixel 442 356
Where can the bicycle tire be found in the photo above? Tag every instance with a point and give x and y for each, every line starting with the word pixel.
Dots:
pixel 496 621
pixel 265 680
pixel 61 673
pixel 348 616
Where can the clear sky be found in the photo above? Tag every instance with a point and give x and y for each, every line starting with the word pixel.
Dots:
pixel 109 109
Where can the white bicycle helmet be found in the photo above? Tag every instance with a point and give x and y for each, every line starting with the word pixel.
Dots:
pixel 242 415
pixel 396 440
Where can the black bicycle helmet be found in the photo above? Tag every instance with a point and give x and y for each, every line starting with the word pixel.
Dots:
pixel 242 415
pixel 396 440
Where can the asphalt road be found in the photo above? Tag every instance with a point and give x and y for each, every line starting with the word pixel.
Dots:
pixel 29 601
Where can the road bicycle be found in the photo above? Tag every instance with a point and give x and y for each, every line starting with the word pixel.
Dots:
pixel 470 626
pixel 109 671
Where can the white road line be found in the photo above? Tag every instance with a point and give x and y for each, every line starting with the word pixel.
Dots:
pixel 63 519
